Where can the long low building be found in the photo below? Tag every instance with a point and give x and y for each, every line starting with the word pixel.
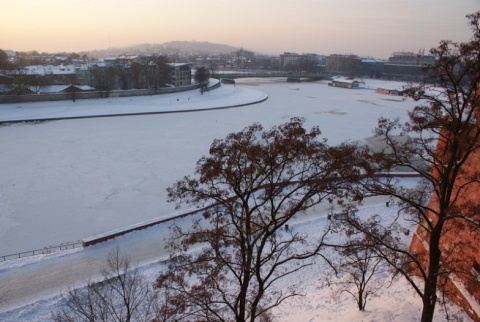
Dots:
pixel 345 83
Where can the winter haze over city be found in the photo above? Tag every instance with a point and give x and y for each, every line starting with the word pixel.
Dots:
pixel 112 111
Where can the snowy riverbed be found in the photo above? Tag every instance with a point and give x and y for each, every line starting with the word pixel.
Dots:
pixel 63 181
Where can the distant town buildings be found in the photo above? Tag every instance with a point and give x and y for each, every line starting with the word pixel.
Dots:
pixel 407 65
pixel 29 72
pixel 306 62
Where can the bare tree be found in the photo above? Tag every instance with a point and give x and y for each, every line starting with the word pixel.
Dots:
pixel 157 71
pixel 136 75
pixel 103 79
pixel 202 75
pixel 122 70
pixel 255 182
pixel 147 72
pixel 123 295
pixel 358 267
pixel 5 63
pixel 36 82
pixel 437 144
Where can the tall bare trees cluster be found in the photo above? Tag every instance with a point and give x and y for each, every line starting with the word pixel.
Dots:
pixel 143 73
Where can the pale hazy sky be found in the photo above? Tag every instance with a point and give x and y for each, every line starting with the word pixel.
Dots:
pixel 364 27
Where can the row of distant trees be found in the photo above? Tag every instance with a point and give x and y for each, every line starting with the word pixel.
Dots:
pixel 143 73
pixel 258 179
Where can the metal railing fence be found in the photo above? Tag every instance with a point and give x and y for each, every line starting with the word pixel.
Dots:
pixel 45 250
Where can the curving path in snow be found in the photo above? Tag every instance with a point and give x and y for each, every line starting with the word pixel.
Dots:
pixel 223 97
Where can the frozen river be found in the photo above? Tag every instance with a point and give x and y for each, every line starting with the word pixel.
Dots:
pixel 63 181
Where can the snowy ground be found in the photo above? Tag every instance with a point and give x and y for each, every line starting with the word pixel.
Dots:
pixel 42 278
pixel 67 180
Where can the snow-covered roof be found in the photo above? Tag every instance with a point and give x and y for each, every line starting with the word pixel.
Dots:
pixel 58 88
pixel 85 87
pixel 4 88
pixel 346 80
pixel 82 67
pixel 372 60
pixel 49 69
pixel 178 64
pixel 98 64
pixel 121 57
pixel 10 53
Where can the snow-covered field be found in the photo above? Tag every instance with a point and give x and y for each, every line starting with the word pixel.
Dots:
pixel 67 180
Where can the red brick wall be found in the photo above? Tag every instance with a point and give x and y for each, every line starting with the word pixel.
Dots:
pixel 462 244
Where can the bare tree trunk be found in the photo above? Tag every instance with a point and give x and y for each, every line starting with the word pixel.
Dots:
pixel 361 306
pixel 431 282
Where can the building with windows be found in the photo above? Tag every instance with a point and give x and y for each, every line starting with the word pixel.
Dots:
pixel 291 61
pixel 181 74
pixel 306 62
pixel 346 65
pixel 408 66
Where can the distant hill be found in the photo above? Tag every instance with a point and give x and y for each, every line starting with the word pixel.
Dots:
pixel 201 46
pixel 168 48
